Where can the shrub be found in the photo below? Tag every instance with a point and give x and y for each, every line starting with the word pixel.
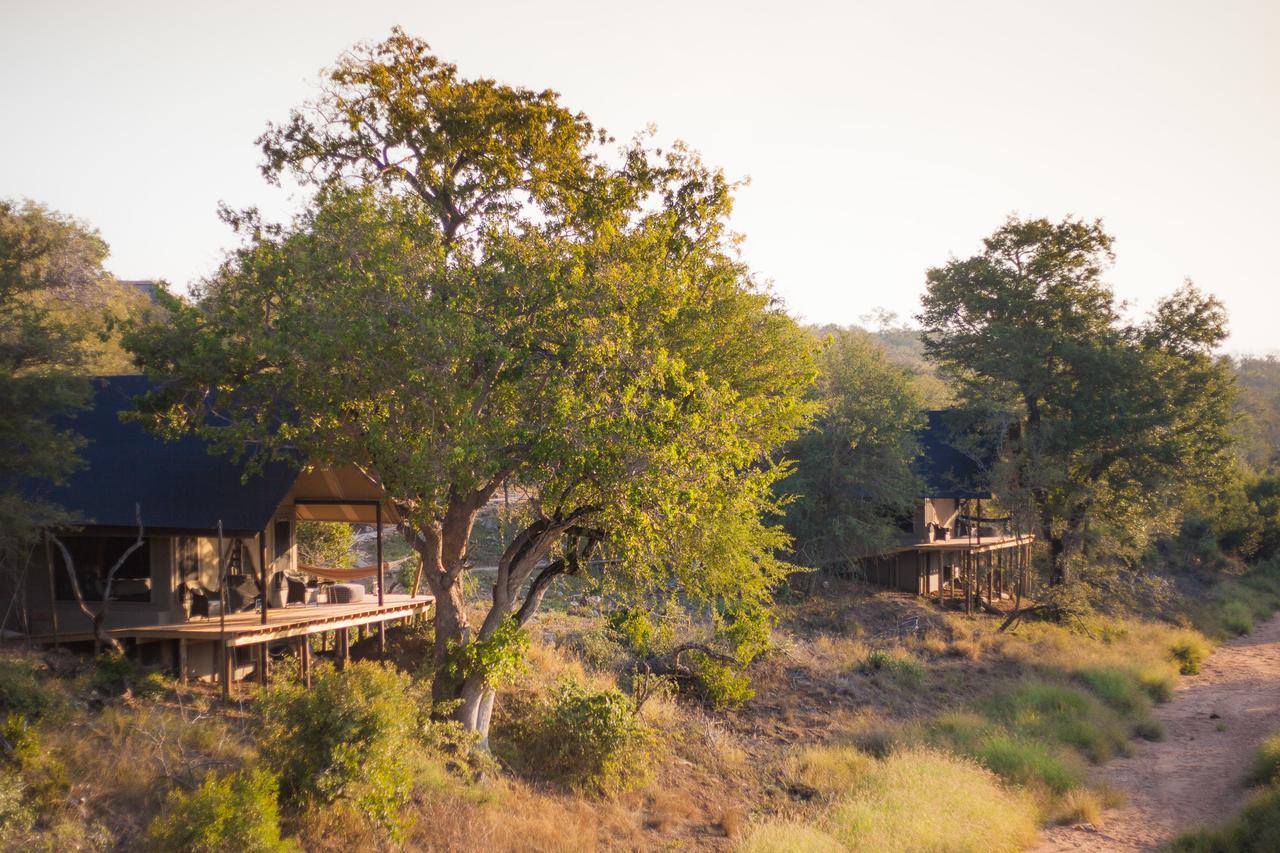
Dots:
pixel 43 776
pixel 899 667
pixel 1188 653
pixel 577 737
pixel 1236 617
pixel 226 814
pixel 350 736
pixel 635 629
pixel 22 692
pixel 15 815
pixel 599 649
pixel 722 686
pixel 1265 769
pixel 1256 828
pixel 1118 688
pixel 1060 714
pixel 111 673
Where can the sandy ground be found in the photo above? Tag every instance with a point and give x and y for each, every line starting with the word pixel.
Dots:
pixel 1196 774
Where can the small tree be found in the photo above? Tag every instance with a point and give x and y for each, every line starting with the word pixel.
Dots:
pixel 479 295
pixel 853 475
pixel 1102 422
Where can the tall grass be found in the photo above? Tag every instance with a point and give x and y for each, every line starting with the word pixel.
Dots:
pixel 916 799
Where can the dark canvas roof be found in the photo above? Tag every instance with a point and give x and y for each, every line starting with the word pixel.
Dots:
pixel 947 471
pixel 178 484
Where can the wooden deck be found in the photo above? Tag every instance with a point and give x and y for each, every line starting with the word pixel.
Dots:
pixel 246 629
pixel 964 544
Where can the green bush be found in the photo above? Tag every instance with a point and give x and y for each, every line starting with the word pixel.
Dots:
pixel 722 686
pixel 899 668
pixel 111 673
pixel 599 649
pixel 43 776
pixel 226 814
pixel 1061 714
pixel 1236 617
pixel 1256 829
pixel 577 738
pixel 350 736
pixel 1188 653
pixel 634 627
pixel 15 814
pixel 1265 769
pixel 22 691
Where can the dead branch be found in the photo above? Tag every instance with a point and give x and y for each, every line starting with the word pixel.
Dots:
pixel 98 619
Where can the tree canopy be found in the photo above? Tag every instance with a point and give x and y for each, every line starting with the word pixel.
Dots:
pixel 1103 422
pixel 46 260
pixel 481 293
pixel 853 477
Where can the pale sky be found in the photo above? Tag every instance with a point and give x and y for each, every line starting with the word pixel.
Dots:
pixel 880 138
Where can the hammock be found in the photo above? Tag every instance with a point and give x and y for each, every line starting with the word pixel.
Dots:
pixel 340 574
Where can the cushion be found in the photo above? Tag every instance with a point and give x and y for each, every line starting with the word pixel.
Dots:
pixel 346 593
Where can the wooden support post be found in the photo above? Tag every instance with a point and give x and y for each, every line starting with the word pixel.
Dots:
pixel 182 662
pixel 53 587
pixel 263 657
pixel 304 659
pixel 344 647
pixel 262 571
pixel 228 670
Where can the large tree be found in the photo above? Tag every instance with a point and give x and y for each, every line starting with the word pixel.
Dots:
pixel 481 294
pixel 1104 422
pixel 853 474
pixel 48 263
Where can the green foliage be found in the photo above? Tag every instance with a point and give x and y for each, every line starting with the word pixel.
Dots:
pixel 853 474
pixel 720 685
pixel 499 658
pixel 1256 829
pixel 578 738
pixel 112 673
pixel 635 628
pixel 1104 425
pixel 599 649
pixel 1237 618
pixel 1265 769
pixel 351 736
pixel 15 813
pixel 509 303
pixel 322 543
pixel 1189 653
pixel 22 692
pixel 235 813
pixel 46 260
pixel 42 776
pixel 899 667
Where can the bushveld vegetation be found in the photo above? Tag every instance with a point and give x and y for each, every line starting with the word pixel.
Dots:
pixel 664 633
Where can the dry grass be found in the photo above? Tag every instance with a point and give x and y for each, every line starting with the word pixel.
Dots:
pixel 969 810
pixel 832 771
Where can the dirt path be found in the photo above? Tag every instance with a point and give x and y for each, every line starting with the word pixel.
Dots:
pixel 1196 774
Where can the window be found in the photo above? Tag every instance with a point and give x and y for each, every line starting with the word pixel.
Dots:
pixel 281 539
pixel 93 557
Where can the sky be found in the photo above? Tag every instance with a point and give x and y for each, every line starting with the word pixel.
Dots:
pixel 880 139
